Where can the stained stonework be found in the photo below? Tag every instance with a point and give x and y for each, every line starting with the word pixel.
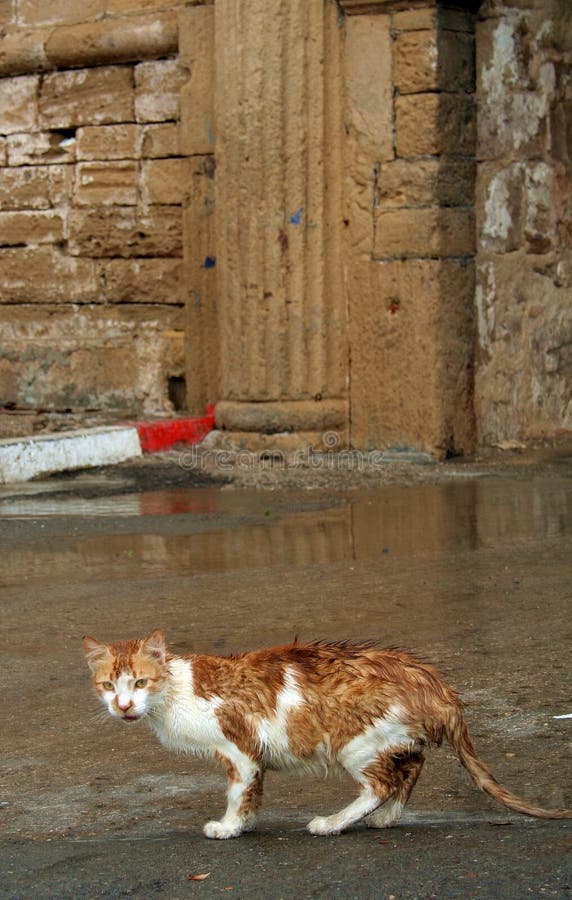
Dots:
pixel 91 198
pixel 349 216
pixel 524 215
pixel 410 242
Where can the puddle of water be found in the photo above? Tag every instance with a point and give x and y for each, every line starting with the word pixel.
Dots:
pixel 189 532
pixel 151 503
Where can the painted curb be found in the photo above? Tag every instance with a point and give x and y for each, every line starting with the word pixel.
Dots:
pixel 161 435
pixel 22 459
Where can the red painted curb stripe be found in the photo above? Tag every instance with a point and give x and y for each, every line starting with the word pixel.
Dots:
pixel 155 436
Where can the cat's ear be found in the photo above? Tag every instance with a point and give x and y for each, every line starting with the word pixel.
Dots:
pixel 96 652
pixel 154 645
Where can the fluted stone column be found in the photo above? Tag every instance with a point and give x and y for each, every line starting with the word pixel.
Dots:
pixel 280 300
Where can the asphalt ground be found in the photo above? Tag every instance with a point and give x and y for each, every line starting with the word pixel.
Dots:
pixel 472 571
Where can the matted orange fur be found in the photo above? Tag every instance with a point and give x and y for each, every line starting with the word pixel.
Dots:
pixel 313 706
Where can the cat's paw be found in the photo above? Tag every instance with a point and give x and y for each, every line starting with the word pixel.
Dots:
pixel 323 825
pixel 385 816
pixel 222 830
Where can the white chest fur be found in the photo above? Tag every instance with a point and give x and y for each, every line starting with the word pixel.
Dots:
pixel 184 722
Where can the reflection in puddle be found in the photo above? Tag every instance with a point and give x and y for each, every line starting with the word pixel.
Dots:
pixel 218 531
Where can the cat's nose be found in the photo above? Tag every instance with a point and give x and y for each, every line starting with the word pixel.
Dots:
pixel 124 705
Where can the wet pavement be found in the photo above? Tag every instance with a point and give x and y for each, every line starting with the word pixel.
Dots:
pixel 473 572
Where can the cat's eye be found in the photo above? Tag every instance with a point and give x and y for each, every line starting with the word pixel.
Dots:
pixel 107 685
pixel 141 682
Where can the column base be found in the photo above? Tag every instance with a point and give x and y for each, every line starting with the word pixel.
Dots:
pixel 276 417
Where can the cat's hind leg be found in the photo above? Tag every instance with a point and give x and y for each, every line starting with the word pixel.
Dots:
pixel 378 784
pixel 243 797
pixel 407 772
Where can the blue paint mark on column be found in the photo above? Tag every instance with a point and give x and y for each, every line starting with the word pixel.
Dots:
pixel 210 262
pixel 296 218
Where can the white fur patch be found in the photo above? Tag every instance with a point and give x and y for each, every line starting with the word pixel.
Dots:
pixel 184 722
pixel 272 732
pixel 385 735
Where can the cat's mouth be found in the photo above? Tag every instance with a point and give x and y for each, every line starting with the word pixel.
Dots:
pixel 130 718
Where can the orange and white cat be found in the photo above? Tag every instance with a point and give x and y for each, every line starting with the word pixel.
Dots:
pixel 312 706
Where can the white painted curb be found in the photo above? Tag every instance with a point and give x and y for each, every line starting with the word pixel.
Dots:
pixel 23 458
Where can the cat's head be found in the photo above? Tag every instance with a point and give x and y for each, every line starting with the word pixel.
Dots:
pixel 129 676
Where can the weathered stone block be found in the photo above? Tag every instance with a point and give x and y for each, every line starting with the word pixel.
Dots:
pixel 142 280
pixel 421 19
pixel 107 142
pixel 61 184
pixel 500 206
pixel 126 231
pixel 432 16
pixel 6 12
pixel 95 96
pixel 196 53
pixel 51 12
pixel 160 140
pixel 113 183
pixel 127 6
pixel 561 128
pixel 417 317
pixel 513 110
pixel 18 103
pixel 434 60
pixel 542 202
pixel 3 151
pixel 157 87
pixel 435 123
pixel 27 188
pixel 520 128
pixel 426 182
pixel 416 62
pixel 163 180
pixel 23 50
pixel 30 227
pixel 445 232
pixel 369 104
pixel 34 187
pixel 39 148
pixel 75 357
pixel 112 40
pixel 525 332
pixel 46 275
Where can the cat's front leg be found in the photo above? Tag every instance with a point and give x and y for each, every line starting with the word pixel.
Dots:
pixel 244 795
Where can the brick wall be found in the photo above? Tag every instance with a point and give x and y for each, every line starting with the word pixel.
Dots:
pixel 91 180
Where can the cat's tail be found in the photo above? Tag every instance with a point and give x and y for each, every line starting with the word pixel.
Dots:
pixel 458 737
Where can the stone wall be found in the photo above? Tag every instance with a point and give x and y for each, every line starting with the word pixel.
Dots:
pixel 410 176
pixel 91 191
pixel 350 216
pixel 524 220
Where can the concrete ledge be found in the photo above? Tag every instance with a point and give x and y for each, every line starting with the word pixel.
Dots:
pixel 21 460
